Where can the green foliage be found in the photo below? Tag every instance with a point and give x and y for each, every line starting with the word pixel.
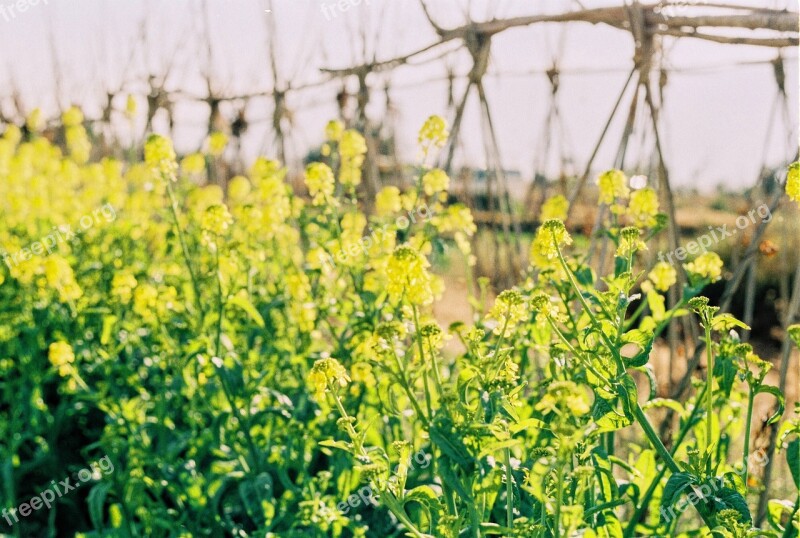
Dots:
pixel 256 363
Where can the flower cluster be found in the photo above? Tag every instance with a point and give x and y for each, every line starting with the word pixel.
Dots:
pixel 159 155
pixel 326 374
pixel 707 266
pixel 352 149
pixel 407 277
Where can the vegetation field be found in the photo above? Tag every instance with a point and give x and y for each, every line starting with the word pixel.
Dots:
pixel 184 357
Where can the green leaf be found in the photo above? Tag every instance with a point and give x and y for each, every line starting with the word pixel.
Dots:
pixel 775 391
pixel 793 459
pixel 674 487
pixel 494 447
pixel 242 301
pixel 450 478
pixel 527 423
pixel 665 402
pixel 341 445
pixel 451 445
pixel 726 322
pixel 627 391
pixel 733 499
pixel 585 276
pixel 610 526
pixel 96 500
pixel 775 510
pixel 422 495
pixel 605 474
pixel 647 370
pixel 607 418
pixel 644 340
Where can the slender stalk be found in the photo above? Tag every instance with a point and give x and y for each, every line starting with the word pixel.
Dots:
pixel 184 249
pixel 509 490
pixel 411 396
pixel 709 383
pixel 386 496
pixel 559 493
pixel 746 449
pixel 645 499
pixel 422 360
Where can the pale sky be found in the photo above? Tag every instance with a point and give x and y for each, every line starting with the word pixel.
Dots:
pixel 717 102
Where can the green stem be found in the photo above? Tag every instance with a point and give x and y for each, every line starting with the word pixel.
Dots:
pixel 662 451
pixel 386 496
pixel 645 500
pixel 746 450
pixel 422 360
pixel 559 493
pixel 586 362
pixel 709 383
pixel 411 396
pixel 588 309
pixel 509 491
pixel 184 249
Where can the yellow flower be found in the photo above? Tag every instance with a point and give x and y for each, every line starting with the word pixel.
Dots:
pixel 215 222
pixel 643 207
pixel 34 121
pixel 194 163
pixel 62 357
pixel 555 208
pixel 707 266
pixel 407 277
pixel 60 276
pixel 238 188
pixel 793 181
pixel 564 396
pixel 130 106
pixel 327 373
pixel 78 143
pixel 549 237
pixel 217 141
pixel 320 182
pixel 612 185
pixel 334 130
pixel 433 133
pixel 434 181
pixel 387 201
pixel 352 148
pixel 122 286
pixel 629 242
pixel 159 155
pixel 662 276
pixel 457 218
pixel 72 117
pixel 508 310
pixel 145 301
